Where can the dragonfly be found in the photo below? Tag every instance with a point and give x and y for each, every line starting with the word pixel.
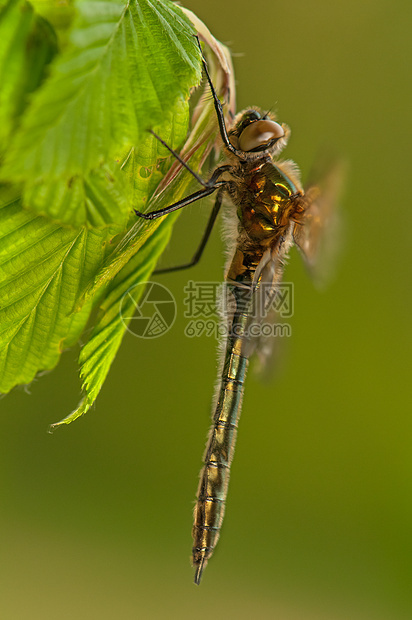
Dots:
pixel 270 212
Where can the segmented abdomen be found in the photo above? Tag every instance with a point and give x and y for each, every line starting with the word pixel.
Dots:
pixel 214 477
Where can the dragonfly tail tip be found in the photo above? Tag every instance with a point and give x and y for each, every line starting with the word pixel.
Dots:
pixel 199 571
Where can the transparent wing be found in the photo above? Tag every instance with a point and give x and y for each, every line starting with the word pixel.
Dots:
pixel 318 235
pixel 271 300
pixel 271 348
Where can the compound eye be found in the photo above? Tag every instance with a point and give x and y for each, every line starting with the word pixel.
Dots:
pixel 259 134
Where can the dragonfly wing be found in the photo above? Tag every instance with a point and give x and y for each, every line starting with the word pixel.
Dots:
pixel 317 235
pixel 267 290
pixel 270 347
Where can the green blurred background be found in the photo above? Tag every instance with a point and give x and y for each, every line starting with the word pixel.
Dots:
pixel 95 520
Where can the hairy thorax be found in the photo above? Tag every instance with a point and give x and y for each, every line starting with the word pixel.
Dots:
pixel 267 201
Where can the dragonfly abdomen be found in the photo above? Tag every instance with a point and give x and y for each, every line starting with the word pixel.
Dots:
pixel 214 477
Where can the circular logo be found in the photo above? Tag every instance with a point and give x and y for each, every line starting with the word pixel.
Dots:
pixel 148 310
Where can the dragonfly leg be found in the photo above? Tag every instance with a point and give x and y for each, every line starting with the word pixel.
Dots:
pixel 182 161
pixel 153 215
pixel 198 254
pixel 210 186
pixel 218 107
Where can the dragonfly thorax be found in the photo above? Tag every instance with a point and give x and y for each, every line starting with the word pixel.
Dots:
pixel 264 201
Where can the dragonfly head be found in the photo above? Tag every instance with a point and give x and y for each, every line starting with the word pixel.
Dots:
pixel 254 133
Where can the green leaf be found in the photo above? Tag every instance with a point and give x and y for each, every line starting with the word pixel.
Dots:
pixel 99 352
pixel 99 198
pixel 53 276
pixel 128 66
pixel 133 259
pixel 42 268
pixel 173 187
pixel 33 259
pixel 108 193
pixel 27 45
